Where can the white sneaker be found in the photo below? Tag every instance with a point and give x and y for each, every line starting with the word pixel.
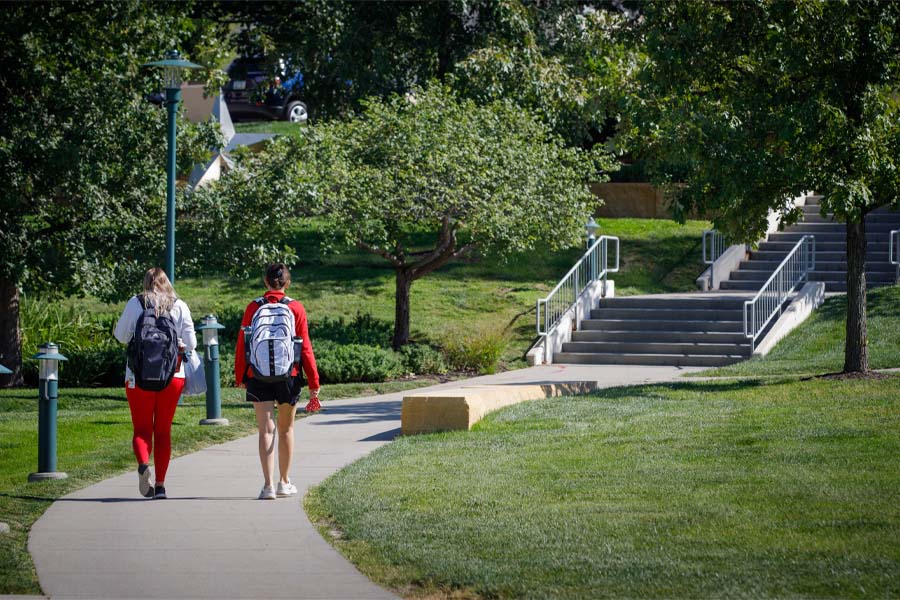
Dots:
pixel 145 485
pixel 267 493
pixel 286 489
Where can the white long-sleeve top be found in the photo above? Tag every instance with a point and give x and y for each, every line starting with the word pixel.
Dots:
pixel 181 315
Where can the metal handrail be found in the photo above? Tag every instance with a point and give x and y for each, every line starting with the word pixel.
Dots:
pixel 891 246
pixel 794 269
pixel 593 265
pixel 715 241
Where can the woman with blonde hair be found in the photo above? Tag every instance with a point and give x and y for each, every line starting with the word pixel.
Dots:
pixel 158 329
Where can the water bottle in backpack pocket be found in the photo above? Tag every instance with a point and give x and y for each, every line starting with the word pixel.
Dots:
pixel 269 342
pixel 153 349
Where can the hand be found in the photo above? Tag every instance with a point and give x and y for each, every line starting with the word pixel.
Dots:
pixel 313 404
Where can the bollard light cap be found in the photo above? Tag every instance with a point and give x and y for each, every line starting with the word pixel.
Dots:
pixel 210 322
pixel 49 351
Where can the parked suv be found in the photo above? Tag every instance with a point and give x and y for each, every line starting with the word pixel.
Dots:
pixel 253 93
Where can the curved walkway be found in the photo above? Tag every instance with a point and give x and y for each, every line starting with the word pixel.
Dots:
pixel 213 539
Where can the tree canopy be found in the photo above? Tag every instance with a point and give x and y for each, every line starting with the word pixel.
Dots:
pixel 564 62
pixel 487 177
pixel 749 104
pixel 82 151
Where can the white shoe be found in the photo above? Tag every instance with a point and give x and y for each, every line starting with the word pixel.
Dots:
pixel 286 489
pixel 267 493
pixel 145 485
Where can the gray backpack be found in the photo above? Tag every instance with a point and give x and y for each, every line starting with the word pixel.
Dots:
pixel 269 341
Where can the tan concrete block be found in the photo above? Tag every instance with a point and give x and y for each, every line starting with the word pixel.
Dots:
pixel 460 408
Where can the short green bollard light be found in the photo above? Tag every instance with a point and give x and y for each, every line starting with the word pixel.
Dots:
pixel 48 393
pixel 210 329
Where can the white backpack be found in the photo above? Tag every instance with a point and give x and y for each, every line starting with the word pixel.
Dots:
pixel 269 343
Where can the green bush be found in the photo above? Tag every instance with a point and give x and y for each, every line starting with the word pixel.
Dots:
pixel 421 359
pixel 364 329
pixel 345 363
pixel 94 356
pixel 478 350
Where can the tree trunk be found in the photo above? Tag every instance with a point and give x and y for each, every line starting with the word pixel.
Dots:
pixel 10 334
pixel 401 308
pixel 856 350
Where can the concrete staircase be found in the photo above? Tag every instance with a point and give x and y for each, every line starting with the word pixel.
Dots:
pixel 706 329
pixel 831 251
pixel 696 329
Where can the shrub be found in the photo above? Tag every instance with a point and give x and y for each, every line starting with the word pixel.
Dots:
pixel 477 350
pixel 94 356
pixel 364 329
pixel 344 363
pixel 422 359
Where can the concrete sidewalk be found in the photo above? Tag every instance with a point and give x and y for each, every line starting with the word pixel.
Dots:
pixel 213 539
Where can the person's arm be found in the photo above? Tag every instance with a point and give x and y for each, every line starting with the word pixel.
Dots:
pixel 188 335
pixel 240 364
pixel 124 330
pixel 308 361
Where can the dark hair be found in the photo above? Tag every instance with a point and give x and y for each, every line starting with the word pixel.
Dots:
pixel 277 276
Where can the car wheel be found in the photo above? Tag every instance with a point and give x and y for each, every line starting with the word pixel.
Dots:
pixel 295 112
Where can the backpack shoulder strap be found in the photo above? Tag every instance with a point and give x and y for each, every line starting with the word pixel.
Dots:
pixel 286 300
pixel 261 300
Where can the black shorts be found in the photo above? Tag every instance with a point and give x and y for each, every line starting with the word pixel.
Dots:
pixel 282 392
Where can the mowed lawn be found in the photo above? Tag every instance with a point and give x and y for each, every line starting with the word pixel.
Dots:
pixel 700 489
pixel 818 346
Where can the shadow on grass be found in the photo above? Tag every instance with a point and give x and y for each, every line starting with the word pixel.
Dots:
pixel 698 386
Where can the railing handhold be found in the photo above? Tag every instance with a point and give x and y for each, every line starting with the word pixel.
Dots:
pixel 794 269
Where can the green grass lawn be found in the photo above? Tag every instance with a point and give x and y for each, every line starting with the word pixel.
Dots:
pixel 817 346
pixel 746 488
pixel 94 443
pixel 277 127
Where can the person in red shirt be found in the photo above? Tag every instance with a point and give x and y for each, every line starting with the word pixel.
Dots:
pixel 265 395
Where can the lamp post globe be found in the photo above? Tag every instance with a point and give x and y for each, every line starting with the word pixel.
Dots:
pixel 591 228
pixel 172 66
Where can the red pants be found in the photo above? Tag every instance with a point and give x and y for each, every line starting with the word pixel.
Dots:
pixel 151 415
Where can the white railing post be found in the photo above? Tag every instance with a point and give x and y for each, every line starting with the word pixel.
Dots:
pixel 559 301
pixel 793 270
pixel 894 244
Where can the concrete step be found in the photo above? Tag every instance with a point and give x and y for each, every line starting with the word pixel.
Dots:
pixel 665 314
pixel 883 277
pixel 790 236
pixel 699 301
pixel 775 257
pixel 732 326
pixel 823 246
pixel 686 349
pixel 748 286
pixel 683 337
pixel 645 359
pixel 821 265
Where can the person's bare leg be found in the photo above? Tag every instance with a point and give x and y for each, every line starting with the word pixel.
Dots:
pixel 265 422
pixel 286 416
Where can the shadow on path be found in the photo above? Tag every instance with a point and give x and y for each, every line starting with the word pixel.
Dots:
pixel 362 413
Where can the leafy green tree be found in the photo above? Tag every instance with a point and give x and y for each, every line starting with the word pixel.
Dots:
pixel 82 151
pixel 749 104
pixel 567 62
pixel 563 61
pixel 474 177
